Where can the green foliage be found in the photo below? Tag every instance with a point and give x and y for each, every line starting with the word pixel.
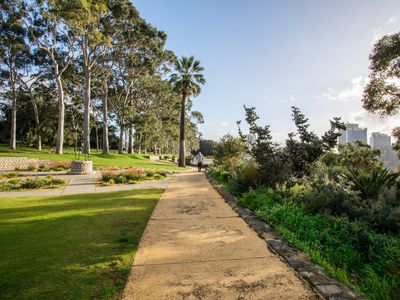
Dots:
pixel 131 176
pixel 303 148
pixel 371 185
pixel 207 147
pixel 382 93
pixel 270 158
pixel 31 183
pixel 361 156
pixel 246 175
pixel 228 152
pixel 348 250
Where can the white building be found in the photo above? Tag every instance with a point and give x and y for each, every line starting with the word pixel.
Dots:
pixel 383 142
pixel 352 134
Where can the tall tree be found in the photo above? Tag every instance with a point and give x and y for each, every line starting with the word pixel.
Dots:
pixel 186 82
pixel 13 55
pixel 50 33
pixel 382 93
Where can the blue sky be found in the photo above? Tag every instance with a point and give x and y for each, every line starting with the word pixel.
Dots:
pixel 275 54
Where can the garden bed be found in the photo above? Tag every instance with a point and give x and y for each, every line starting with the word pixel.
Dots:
pixel 131 176
pixel 18 184
pixel 350 251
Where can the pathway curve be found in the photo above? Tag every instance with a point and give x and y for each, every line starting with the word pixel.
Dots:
pixel 196 247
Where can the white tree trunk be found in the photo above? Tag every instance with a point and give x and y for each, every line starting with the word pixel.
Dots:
pixel 86 114
pixel 61 114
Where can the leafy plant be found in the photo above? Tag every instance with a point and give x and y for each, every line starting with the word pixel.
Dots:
pixel 371 185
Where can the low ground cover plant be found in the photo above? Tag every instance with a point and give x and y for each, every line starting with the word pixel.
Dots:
pixel 131 176
pixel 48 182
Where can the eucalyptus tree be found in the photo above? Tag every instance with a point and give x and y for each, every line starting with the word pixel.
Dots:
pixel 29 83
pixel 50 33
pixel 186 82
pixel 382 93
pixel 13 55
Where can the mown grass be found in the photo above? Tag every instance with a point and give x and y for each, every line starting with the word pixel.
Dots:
pixel 71 247
pixel 99 159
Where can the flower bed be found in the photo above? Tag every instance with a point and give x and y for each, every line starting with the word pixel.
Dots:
pixel 131 176
pixel 31 183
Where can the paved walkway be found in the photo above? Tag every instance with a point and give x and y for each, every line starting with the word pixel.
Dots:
pixel 196 247
pixel 84 184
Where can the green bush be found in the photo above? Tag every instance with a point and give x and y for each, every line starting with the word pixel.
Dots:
pixel 131 176
pixel 349 250
pixel 107 176
pixel 247 175
pixel 158 177
pixel 371 184
pixel 32 183
pixel 229 152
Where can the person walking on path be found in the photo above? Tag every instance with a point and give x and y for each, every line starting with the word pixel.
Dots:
pixel 199 159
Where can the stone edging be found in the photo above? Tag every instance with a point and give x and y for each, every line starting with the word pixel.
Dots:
pixel 326 286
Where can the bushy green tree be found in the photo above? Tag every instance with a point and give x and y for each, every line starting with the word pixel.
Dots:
pixel 228 152
pixel 305 147
pixel 271 159
pixel 382 93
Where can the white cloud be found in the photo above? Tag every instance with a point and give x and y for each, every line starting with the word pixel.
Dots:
pixel 350 93
pixel 374 122
pixel 288 99
pixel 215 130
pixel 389 27
pixel 282 100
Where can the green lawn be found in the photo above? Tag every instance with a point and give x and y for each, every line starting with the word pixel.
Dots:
pixel 71 247
pixel 99 159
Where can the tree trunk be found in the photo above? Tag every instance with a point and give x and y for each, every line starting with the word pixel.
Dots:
pixel 106 147
pixel 130 146
pixel 37 121
pixel 97 138
pixel 61 113
pixel 13 136
pixel 182 150
pixel 86 114
pixel 121 138
pixel 139 141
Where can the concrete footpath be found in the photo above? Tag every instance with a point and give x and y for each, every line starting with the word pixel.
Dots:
pixel 196 247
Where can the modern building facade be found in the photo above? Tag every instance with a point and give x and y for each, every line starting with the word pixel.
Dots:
pixel 352 134
pixel 378 140
pixel 383 142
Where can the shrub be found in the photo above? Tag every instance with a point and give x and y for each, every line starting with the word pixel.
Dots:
pixel 246 176
pixel 131 176
pixel 371 185
pixel 351 251
pixel 162 173
pixel 106 177
pixel 228 152
pixel 32 183
pixel 12 174
pixel 150 173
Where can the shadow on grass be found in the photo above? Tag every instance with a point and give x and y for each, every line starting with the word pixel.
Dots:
pixel 71 247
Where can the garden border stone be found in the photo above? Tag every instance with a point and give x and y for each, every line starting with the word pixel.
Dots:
pixel 322 283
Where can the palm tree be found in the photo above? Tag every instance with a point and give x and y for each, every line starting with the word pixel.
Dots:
pixel 186 82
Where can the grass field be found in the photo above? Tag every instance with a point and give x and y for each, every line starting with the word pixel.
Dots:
pixel 99 159
pixel 71 247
